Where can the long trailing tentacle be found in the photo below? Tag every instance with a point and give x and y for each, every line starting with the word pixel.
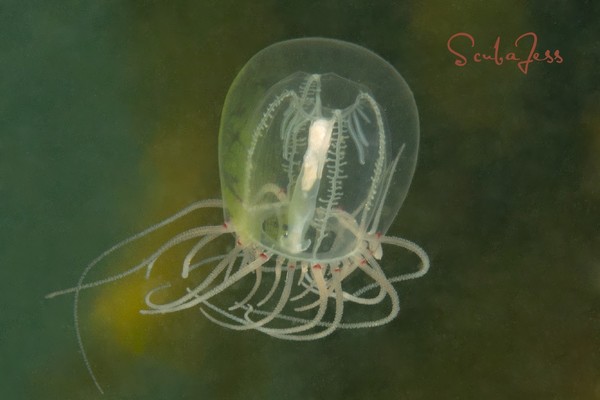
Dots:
pixel 195 206
pixel 80 286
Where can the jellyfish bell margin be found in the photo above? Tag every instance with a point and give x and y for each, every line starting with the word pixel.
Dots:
pixel 317 147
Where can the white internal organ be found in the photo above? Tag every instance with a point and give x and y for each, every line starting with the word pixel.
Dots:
pixel 304 199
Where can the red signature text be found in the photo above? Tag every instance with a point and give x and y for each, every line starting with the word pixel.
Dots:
pixel 525 52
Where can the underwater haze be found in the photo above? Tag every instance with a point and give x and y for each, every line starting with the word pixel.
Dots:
pixel 109 119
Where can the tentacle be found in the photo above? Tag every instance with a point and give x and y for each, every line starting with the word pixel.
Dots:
pixel 100 282
pixel 252 292
pixel 331 326
pixel 415 248
pixel 283 299
pixel 168 307
pixel 185 272
pixel 247 323
pixel 206 261
pixel 371 268
pixel 319 279
pixel 346 269
pixel 278 263
pixel 80 286
pixel 354 298
pixel 247 254
pixel 410 246
pixel 193 233
pixel 303 270
pixel 241 321
pixel 309 288
pixel 376 273
pixel 193 297
pixel 284 317
pixel 339 311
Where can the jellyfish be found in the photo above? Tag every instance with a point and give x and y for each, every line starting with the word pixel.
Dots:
pixel 317 148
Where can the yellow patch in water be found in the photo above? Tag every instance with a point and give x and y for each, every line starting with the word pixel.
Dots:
pixel 174 166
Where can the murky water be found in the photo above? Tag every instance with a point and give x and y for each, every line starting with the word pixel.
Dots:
pixel 109 117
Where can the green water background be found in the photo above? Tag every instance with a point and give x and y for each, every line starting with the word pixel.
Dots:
pixel 109 115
